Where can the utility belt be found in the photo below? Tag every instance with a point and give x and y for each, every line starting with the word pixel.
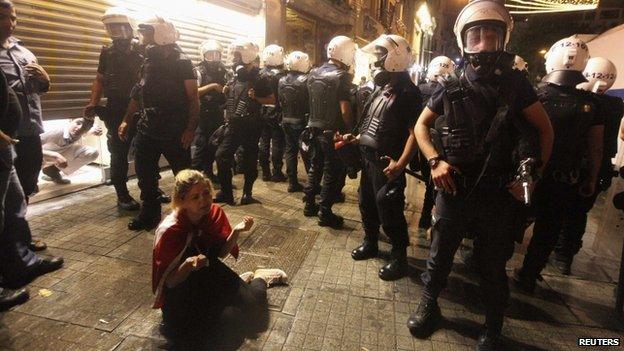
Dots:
pixel 294 120
pixel 162 123
pixel 487 181
pixel 570 177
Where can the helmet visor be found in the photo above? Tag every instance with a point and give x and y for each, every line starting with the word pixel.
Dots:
pixel 146 34
pixel 484 38
pixel 119 30
pixel 212 56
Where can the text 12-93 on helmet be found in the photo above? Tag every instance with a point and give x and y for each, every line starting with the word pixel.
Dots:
pixel 392 55
pixel 119 23
pixel 243 50
pixel 273 55
pixel 342 49
pixel 483 29
pixel 163 30
pixel 600 74
pixel 210 50
pixel 298 61
pixel 438 67
pixel 565 62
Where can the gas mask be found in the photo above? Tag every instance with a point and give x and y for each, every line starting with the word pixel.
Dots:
pixel 155 52
pixel 483 47
pixel 212 56
pixel 381 77
pixel 119 31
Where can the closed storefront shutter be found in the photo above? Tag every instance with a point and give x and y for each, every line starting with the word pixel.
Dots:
pixel 67 36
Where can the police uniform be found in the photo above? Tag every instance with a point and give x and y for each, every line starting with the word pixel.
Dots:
pixel 487 165
pixel 328 85
pixel 426 90
pixel 572 113
pixel 571 239
pixel 164 117
pixel 244 126
pixel 388 116
pixel 210 115
pixel 293 97
pixel 120 65
pixel 272 138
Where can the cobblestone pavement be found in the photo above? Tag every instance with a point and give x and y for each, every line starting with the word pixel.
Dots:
pixel 101 299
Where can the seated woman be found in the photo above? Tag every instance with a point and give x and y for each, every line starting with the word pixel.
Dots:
pixel 198 294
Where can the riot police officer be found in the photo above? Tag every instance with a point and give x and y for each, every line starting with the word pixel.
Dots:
pixel 245 95
pixel 600 74
pixel 329 88
pixel 387 143
pixel 118 70
pixel 211 76
pixel 272 138
pixel 579 130
pixel 437 68
pixel 483 111
pixel 166 96
pixel 293 99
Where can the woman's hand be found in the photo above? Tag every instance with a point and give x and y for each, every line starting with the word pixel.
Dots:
pixel 196 262
pixel 245 225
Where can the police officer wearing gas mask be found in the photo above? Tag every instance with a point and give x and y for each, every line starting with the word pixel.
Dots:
pixel 166 96
pixel 245 95
pixel 437 68
pixel 579 131
pixel 329 88
pixel 272 141
pixel 600 74
pixel 387 144
pixel 211 75
pixel 294 101
pixel 118 70
pixel 473 164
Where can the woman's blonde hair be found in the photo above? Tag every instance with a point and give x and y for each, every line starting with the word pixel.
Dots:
pixel 184 181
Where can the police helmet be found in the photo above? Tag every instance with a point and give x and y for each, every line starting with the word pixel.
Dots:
pixel 568 54
pixel 298 61
pixel 273 55
pixel 392 53
pixel 163 30
pixel 119 23
pixel 439 66
pixel 600 74
pixel 247 50
pixel 483 26
pixel 210 50
pixel 342 49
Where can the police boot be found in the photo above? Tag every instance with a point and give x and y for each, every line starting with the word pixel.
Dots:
pixel 147 219
pixel 126 202
pixel 368 249
pixel 423 322
pixel 266 173
pixel 163 197
pixel 397 268
pixel 310 209
pixel 247 198
pixel 278 176
pixel 330 219
pixel 563 263
pixel 295 187
pixel 523 281
pixel 489 341
pixel 222 197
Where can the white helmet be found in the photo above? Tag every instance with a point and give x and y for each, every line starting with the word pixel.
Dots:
pixel 298 61
pixel 600 74
pixel 439 66
pixel 118 22
pixel 342 49
pixel 483 12
pixel 164 31
pixel 568 54
pixel 247 49
pixel 211 50
pixel 520 64
pixel 399 57
pixel 273 55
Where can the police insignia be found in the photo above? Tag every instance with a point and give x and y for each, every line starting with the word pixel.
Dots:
pixel 586 108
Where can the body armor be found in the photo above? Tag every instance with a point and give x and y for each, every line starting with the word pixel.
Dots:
pixel 426 90
pixel 122 70
pixel 272 75
pixel 211 72
pixel 325 110
pixel 238 103
pixel 293 98
pixel 571 114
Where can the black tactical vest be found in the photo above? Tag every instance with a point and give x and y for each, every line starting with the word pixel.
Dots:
pixel 272 75
pixel 292 94
pixel 238 104
pixel 323 88
pixel 426 90
pixel 122 71
pixel 209 73
pixel 612 109
pixel 571 112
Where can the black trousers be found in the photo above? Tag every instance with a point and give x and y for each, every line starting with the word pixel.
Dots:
pixel 325 165
pixel 28 163
pixel 490 214
pixel 148 152
pixel 204 153
pixel 292 133
pixel 555 207
pixel 113 116
pixel 571 238
pixel 382 203
pixel 240 132
pixel 271 147
pixel 429 199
